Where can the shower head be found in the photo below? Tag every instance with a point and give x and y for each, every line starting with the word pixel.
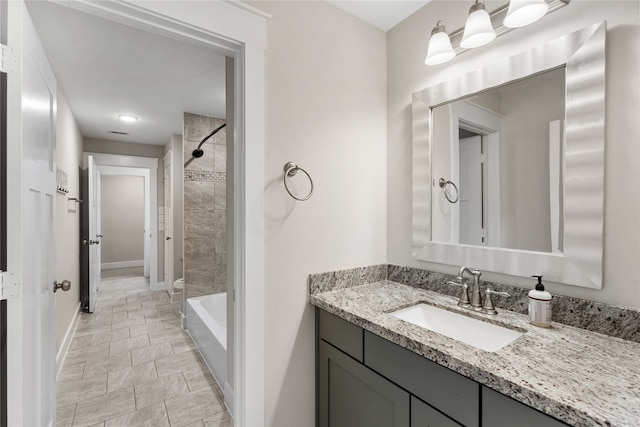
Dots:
pixel 198 152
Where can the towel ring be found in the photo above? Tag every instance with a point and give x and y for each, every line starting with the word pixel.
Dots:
pixel 443 184
pixel 290 169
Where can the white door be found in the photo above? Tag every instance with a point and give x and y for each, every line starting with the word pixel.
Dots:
pixel 168 223
pixel 95 235
pixel 472 224
pixel 31 89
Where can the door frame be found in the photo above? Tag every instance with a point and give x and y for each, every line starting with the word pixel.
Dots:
pixel 239 31
pixel 487 123
pixel 168 183
pixel 147 167
pixel 145 173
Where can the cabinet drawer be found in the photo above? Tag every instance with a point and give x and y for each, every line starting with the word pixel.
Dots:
pixel 352 395
pixel 423 415
pixel 449 392
pixel 499 410
pixel 342 334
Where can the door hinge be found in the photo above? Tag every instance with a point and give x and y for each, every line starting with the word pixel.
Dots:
pixel 8 59
pixel 9 285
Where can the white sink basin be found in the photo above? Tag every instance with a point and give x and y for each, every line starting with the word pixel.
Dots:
pixel 483 335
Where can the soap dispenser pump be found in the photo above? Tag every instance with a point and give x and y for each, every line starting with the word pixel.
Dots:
pixel 540 305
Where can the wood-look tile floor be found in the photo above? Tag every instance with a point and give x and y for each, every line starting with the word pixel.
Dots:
pixel 130 364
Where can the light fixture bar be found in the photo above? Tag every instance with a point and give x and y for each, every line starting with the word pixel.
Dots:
pixel 497 17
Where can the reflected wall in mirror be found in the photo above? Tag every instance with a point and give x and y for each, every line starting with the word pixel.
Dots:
pixel 501 149
pixel 557 233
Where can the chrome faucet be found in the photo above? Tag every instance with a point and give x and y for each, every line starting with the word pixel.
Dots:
pixel 476 303
pixel 476 297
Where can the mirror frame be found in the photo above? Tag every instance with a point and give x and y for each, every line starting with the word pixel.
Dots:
pixel 580 264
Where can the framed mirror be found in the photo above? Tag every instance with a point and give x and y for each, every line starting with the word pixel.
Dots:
pixel 508 164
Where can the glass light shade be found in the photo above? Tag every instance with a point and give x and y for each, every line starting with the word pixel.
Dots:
pixel 127 117
pixel 440 49
pixel 478 30
pixel 524 12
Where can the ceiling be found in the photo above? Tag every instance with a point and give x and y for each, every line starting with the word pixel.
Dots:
pixel 383 14
pixel 105 68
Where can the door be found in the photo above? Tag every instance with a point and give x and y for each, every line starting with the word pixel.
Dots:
pixel 91 231
pixel 30 151
pixel 472 224
pixel 425 415
pixel 350 394
pixel 3 218
pixel 168 223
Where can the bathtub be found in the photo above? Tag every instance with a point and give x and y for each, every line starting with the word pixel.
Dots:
pixel 206 322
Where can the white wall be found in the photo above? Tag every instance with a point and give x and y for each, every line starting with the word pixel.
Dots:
pixel 66 219
pixel 107 146
pixel 326 111
pixel 122 220
pixel 524 180
pixel 406 48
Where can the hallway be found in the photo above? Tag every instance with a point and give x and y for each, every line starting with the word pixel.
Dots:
pixel 130 364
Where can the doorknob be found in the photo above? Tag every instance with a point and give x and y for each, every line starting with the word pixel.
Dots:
pixel 94 242
pixel 65 285
pixel 99 235
pixel 168 238
pixel 84 241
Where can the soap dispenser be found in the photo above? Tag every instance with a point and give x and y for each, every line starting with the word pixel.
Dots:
pixel 540 305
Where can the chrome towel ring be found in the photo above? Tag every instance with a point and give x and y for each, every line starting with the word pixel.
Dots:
pixel 290 169
pixel 443 184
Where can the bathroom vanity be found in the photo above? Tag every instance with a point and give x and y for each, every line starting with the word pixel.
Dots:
pixel 375 369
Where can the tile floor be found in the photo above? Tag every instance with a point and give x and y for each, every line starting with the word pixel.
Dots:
pixel 130 364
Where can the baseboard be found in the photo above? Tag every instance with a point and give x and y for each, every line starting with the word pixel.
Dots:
pixel 66 342
pixel 158 286
pixel 228 397
pixel 122 264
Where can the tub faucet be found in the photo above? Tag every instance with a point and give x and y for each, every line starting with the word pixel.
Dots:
pixel 476 297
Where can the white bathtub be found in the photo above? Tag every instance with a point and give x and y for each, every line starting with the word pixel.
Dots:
pixel 206 321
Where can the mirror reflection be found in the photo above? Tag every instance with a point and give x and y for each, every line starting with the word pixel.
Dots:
pixel 497 166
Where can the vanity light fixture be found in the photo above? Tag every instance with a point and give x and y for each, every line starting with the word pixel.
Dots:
pixel 482 27
pixel 478 30
pixel 127 117
pixel 440 49
pixel 524 12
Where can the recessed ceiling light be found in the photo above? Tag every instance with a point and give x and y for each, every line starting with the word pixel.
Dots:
pixel 127 117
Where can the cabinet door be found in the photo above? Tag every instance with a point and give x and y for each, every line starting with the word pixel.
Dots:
pixel 449 392
pixel 499 410
pixel 351 395
pixel 423 415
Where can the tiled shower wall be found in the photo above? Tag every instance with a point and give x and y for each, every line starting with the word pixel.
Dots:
pixel 204 207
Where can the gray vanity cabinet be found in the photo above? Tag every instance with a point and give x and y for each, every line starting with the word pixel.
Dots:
pixel 423 415
pixel 353 395
pixel 449 392
pixel 365 380
pixel 499 410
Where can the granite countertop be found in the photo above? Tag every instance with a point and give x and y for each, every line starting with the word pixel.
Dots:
pixel 580 377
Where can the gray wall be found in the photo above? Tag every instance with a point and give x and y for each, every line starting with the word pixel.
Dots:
pixel 326 92
pixel 205 231
pixel 175 145
pixel 122 220
pixel 406 48
pixel 66 219
pixel 230 216
pixel 106 146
